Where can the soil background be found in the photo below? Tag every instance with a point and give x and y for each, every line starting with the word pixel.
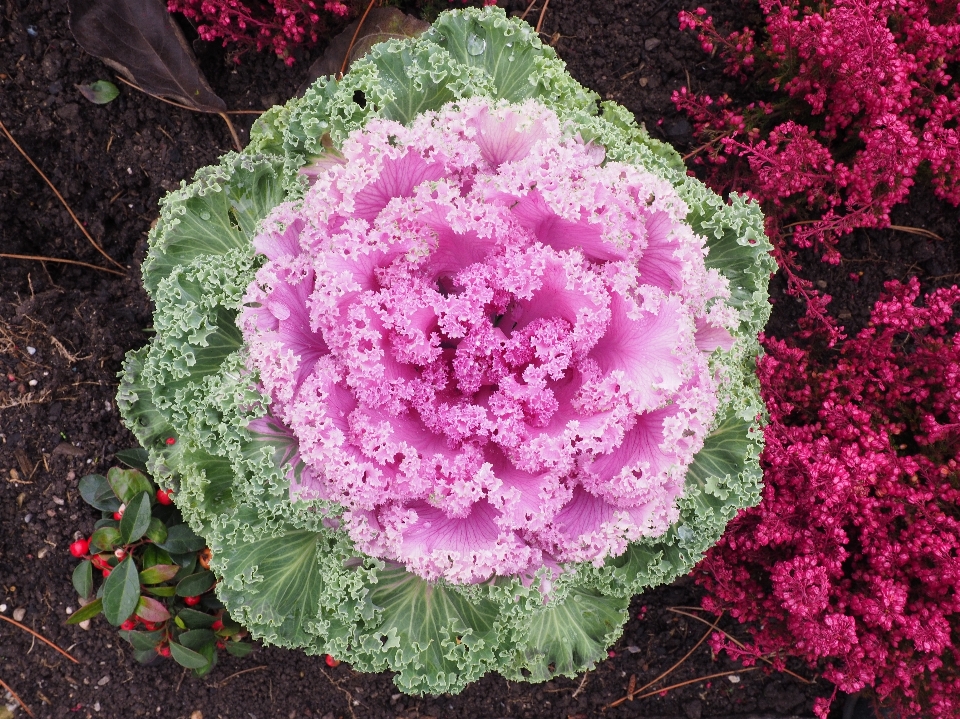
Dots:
pixel 64 330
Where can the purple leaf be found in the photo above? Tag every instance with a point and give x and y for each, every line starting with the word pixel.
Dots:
pixel 140 40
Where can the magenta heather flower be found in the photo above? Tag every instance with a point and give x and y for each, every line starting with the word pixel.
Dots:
pixel 852 559
pixel 490 345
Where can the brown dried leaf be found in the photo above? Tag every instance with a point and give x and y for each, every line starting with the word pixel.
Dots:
pixel 381 24
pixel 140 40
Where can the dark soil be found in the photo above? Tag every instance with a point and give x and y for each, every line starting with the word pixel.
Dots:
pixel 64 330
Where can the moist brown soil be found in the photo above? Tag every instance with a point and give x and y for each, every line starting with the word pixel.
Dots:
pixel 64 330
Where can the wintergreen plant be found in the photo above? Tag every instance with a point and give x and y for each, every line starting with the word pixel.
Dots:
pixel 450 362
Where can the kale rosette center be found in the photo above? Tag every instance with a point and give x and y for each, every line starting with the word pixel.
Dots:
pixel 490 343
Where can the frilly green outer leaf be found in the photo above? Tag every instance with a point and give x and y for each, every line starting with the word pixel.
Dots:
pixel 287 572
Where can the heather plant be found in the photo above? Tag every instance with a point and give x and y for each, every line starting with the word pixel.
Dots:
pixel 278 25
pixel 852 559
pixel 157 585
pixel 858 99
pixel 450 361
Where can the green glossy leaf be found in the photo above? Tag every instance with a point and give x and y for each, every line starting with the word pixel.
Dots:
pixel 156 531
pixel 196 639
pixel 128 483
pixel 142 641
pixel 121 591
pixel 153 555
pixel 159 573
pixel 105 539
pixel 163 592
pixel 209 651
pixel 151 610
pixel 239 649
pixel 87 611
pixel 145 656
pixel 181 539
pixel 196 584
pixel 135 458
pixel 193 619
pixel 136 518
pixel 187 657
pixel 83 578
pixel 96 491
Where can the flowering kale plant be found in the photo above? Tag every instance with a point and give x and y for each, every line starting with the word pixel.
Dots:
pixel 852 559
pixel 457 359
pixel 158 587
pixel 863 100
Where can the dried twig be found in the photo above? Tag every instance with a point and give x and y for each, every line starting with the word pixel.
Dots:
pixel 222 682
pixel 529 8
pixel 224 115
pixel 630 693
pixel 766 660
pixel 62 201
pixel 57 259
pixel 346 55
pixel 900 228
pixel 917 231
pixel 14 695
pixel 543 11
pixel 40 637
pixel 743 670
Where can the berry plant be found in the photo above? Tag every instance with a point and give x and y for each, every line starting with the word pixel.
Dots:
pixel 157 584
pixel 852 559
pixel 860 102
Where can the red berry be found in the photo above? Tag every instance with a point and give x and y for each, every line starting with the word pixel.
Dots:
pixel 221 645
pixel 164 497
pixel 150 626
pixel 191 601
pixel 129 624
pixel 217 626
pixel 98 561
pixel 117 516
pixel 171 441
pixel 164 651
pixel 80 548
pixel 106 572
pixel 331 662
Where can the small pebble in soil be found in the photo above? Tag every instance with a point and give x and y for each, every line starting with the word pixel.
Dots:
pixel 31 350
pixel 103 681
pixel 651 43
pixel 734 678
pixel 19 613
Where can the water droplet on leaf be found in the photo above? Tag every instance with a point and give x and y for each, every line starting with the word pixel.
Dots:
pixel 476 45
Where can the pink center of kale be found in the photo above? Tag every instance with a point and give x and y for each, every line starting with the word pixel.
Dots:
pixel 490 346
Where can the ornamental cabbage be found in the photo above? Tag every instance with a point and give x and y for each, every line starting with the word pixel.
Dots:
pixel 450 362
